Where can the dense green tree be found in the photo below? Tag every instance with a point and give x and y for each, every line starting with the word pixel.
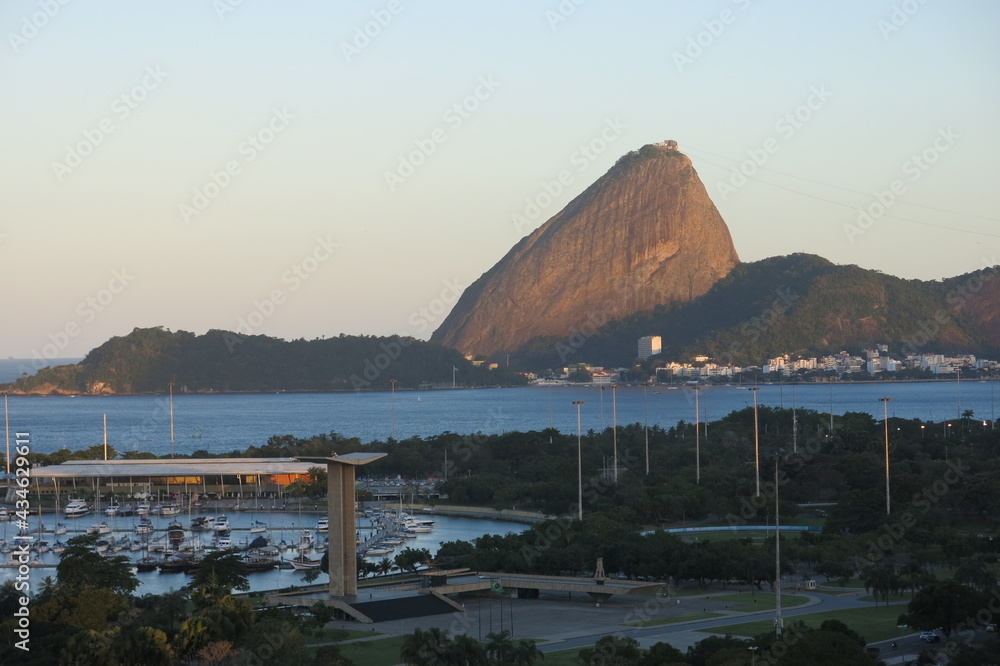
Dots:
pixel 80 565
pixel 88 648
pixel 699 653
pixel 217 576
pixel 143 646
pixel 663 654
pixel 409 559
pixel 945 604
pixel 612 651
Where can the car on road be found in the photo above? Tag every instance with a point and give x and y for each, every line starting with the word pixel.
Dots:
pixel 930 637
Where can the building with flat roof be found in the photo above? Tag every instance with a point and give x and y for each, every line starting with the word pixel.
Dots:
pixel 649 345
pixel 223 476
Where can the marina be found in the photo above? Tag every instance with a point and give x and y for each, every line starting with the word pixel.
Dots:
pixel 292 543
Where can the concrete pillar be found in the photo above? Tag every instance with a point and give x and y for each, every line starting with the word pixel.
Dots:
pixel 342 551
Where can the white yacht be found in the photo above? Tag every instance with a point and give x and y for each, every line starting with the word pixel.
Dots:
pixel 76 508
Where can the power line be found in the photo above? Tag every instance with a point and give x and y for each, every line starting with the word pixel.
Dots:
pixel 854 207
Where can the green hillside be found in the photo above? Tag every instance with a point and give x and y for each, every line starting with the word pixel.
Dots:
pixel 796 304
pixel 147 360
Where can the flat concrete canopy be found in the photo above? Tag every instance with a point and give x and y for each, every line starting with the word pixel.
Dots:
pixel 170 467
pixel 598 588
pixel 347 459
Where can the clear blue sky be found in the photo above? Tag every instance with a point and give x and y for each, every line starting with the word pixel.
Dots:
pixel 116 113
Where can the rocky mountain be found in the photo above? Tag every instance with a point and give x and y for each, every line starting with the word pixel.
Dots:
pixel 643 235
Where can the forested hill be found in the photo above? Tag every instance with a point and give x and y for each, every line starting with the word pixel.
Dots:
pixel 797 304
pixel 148 360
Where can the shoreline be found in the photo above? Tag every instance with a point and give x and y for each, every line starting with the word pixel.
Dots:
pixel 71 394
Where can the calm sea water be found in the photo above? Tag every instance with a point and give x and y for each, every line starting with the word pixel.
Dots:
pixel 222 423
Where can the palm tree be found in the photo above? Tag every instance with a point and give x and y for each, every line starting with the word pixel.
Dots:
pixel 47 586
pixel 424 648
pixel 385 566
pixel 466 651
pixel 500 646
pixel 525 652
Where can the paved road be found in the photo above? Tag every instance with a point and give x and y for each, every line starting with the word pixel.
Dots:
pixel 685 634
pixel 571 621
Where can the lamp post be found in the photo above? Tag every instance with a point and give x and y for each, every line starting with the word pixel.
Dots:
pixel 579 463
pixel 795 424
pixel 697 437
pixel 753 655
pixel 777 555
pixel 756 439
pixel 614 425
pixel 645 422
pixel 885 412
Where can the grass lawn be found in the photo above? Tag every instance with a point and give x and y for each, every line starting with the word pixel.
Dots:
pixel 329 635
pixel 672 620
pixel 378 652
pixel 874 625
pixel 904 597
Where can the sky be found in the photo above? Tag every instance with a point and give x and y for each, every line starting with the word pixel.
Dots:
pixel 304 169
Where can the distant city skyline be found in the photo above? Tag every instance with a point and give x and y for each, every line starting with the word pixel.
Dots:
pixel 307 169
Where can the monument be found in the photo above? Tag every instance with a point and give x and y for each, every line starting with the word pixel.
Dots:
pixel 342 551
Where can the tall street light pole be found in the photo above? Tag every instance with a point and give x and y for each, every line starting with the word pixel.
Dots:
pixel 645 422
pixel 756 438
pixel 614 425
pixel 885 412
pixel 697 437
pixel 579 463
pixel 777 556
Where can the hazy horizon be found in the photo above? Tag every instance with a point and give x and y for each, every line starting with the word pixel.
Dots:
pixel 304 170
